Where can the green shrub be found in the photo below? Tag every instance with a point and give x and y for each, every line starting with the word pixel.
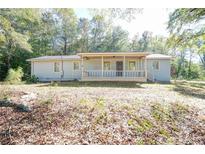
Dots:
pixel 32 79
pixel 14 75
pixel 100 104
pixel 202 74
pixel 54 83
pixel 47 102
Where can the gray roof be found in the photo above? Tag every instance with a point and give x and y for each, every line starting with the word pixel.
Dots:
pixel 158 56
pixel 43 58
pixel 77 57
pixel 114 53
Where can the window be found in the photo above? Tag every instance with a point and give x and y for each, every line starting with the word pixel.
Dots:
pixel 132 65
pixel 76 65
pixel 107 65
pixel 56 67
pixel 155 65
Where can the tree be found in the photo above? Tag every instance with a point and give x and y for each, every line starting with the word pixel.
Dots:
pixel 117 40
pixel 67 30
pixel 134 45
pixel 111 14
pixel 185 26
pixel 84 31
pixel 14 25
pixel 99 30
pixel 14 36
pixel 42 34
pixel 200 49
pixel 185 19
pixel 144 41
pixel 148 42
pixel 158 44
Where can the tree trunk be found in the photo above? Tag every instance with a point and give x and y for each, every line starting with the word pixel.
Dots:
pixel 190 60
pixel 87 45
pixel 9 55
pixel 179 68
pixel 180 64
pixel 8 61
pixel 65 47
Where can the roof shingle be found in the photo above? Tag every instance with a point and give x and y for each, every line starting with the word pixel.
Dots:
pixel 43 58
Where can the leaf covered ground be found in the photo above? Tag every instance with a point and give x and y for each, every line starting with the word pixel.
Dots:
pixel 104 113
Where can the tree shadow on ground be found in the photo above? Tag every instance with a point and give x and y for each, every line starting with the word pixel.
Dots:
pixel 18 126
pixel 111 84
pixel 193 89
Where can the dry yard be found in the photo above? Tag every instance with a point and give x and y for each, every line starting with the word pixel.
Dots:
pixel 104 113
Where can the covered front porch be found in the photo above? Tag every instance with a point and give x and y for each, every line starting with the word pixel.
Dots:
pixel 113 67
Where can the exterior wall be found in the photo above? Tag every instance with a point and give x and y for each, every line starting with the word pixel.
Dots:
pixel 32 68
pixel 44 70
pixel 163 74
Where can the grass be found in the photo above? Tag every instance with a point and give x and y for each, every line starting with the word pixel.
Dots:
pixel 164 123
pixel 5 92
pixel 112 84
pixel 190 88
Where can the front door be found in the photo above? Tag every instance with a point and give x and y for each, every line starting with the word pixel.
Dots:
pixel 119 68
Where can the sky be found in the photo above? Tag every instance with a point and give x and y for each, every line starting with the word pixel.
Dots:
pixel 152 19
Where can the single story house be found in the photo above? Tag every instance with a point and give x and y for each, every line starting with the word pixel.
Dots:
pixel 106 66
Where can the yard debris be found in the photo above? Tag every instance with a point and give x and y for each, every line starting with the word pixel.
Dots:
pixel 28 97
pixel 16 107
pixel 101 115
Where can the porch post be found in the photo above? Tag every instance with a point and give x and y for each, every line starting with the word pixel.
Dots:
pixel 124 66
pixel 102 66
pixel 145 68
pixel 32 68
pixel 82 67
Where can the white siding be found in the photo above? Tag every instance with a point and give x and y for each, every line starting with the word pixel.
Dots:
pixel 163 74
pixel 44 70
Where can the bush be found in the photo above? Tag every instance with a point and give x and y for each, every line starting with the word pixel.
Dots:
pixel 14 75
pixel 54 83
pixel 32 79
pixel 202 73
pixel 183 72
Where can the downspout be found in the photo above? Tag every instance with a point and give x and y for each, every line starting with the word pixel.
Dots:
pixel 62 74
pixel 145 66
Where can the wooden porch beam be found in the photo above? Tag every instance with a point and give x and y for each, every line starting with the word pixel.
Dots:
pixel 124 66
pixel 102 65
pixel 82 66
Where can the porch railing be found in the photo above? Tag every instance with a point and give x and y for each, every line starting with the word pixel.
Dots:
pixel 113 73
